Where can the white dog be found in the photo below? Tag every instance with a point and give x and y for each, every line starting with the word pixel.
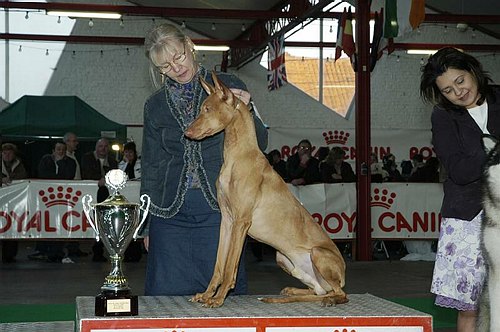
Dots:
pixel 489 309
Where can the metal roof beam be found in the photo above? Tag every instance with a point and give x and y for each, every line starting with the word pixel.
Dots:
pixel 166 12
pixel 267 30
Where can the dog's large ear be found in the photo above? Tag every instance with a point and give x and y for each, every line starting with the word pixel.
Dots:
pixel 208 87
pixel 489 142
pixel 224 92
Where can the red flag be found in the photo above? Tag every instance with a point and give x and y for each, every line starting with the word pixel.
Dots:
pixel 348 36
pixel 417 13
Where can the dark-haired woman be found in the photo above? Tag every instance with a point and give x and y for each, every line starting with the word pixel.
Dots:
pixel 466 107
pixel 130 164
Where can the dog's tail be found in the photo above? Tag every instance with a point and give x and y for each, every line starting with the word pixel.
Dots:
pixel 327 300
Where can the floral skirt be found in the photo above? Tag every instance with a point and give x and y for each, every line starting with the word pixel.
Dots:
pixel 459 271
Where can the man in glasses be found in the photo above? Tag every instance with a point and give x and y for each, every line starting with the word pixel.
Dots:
pixel 302 167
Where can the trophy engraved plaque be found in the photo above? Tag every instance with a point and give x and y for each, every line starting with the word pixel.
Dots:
pixel 116 222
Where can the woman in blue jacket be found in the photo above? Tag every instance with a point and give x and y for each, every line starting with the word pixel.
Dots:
pixel 466 107
pixel 179 174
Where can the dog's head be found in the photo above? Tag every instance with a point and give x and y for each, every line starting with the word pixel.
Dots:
pixel 216 112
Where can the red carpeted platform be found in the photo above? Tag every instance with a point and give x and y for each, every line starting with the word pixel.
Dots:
pixel 363 313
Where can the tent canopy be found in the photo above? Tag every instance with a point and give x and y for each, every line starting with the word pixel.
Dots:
pixel 38 117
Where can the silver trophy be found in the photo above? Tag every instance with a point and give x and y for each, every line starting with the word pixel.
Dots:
pixel 116 222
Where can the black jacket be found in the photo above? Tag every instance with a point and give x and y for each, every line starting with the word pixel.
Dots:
pixel 296 171
pixel 457 140
pixel 66 168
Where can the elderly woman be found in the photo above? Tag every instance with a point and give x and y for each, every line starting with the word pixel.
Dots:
pixel 179 174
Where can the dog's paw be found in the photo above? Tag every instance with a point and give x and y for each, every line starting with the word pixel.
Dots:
pixel 265 299
pixel 341 299
pixel 199 297
pixel 328 301
pixel 213 303
pixel 287 291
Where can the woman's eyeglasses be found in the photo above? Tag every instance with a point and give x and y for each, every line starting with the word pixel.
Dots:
pixel 177 60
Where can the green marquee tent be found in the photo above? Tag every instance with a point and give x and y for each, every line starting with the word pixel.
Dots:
pixel 39 117
pixel 34 123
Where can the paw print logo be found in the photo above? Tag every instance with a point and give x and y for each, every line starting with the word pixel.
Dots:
pixel 382 198
pixel 60 196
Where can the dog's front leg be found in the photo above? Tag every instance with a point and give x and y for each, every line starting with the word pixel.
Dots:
pixel 220 262
pixel 229 273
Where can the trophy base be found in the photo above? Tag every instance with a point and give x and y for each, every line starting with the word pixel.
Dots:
pixel 110 303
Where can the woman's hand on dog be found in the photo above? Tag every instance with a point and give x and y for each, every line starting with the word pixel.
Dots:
pixel 243 95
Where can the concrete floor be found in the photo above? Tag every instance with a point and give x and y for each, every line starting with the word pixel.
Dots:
pixel 32 282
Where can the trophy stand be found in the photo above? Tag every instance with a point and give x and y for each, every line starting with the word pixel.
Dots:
pixel 115 222
pixel 115 298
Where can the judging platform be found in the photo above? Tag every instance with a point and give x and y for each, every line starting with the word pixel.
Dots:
pixel 363 313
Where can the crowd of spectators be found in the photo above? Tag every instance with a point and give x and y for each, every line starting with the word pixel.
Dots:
pixel 304 166
pixel 63 163
pixel 330 165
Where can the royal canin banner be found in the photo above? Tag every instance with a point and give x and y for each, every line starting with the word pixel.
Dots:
pixel 402 143
pixel 50 208
pixel 35 209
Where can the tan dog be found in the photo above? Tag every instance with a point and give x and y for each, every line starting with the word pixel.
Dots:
pixel 254 200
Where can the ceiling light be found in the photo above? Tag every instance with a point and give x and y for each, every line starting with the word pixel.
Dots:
pixel 109 15
pixel 219 48
pixel 430 52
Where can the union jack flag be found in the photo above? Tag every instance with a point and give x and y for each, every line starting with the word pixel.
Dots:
pixel 276 74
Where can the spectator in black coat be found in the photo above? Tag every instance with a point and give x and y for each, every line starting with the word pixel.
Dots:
pixel 335 169
pixel 302 168
pixel 279 165
pixel 57 165
pixel 429 172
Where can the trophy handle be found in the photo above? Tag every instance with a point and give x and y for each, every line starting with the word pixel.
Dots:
pixel 146 201
pixel 87 208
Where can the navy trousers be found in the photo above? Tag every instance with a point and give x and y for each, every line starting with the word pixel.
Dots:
pixel 183 249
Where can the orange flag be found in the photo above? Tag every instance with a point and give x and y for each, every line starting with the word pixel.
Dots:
pixel 417 13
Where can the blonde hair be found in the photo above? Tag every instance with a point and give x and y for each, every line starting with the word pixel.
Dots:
pixel 159 40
